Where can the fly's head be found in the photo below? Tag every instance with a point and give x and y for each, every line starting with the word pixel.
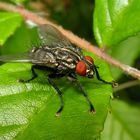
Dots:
pixel 85 67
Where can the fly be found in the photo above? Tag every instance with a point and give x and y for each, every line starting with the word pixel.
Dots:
pixel 58 56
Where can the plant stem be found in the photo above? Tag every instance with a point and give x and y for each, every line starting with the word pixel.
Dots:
pixel 73 38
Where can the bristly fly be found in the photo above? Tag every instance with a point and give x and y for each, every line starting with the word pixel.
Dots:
pixel 58 56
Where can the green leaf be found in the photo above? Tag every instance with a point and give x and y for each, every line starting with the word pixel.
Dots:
pixel 21 42
pixel 9 22
pixel 115 21
pixel 126 52
pixel 123 122
pixel 27 111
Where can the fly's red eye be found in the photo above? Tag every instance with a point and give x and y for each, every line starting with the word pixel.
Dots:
pixel 81 68
pixel 89 59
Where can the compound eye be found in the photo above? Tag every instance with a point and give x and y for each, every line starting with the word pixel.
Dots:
pixel 88 58
pixel 81 68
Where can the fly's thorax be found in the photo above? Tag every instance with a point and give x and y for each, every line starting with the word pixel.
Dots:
pixel 66 58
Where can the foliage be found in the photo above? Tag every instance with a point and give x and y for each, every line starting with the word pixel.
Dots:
pixel 109 18
pixel 27 111
pixel 116 25
pixel 13 20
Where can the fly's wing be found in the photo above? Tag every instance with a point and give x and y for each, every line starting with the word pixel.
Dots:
pixel 53 38
pixel 48 36
pixel 15 58
pixel 22 58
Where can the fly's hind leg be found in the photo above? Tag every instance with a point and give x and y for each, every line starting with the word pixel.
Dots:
pixel 34 75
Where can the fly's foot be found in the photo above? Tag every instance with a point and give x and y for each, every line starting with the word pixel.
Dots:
pixel 92 109
pixel 57 114
pixel 114 84
pixel 23 81
pixel 27 81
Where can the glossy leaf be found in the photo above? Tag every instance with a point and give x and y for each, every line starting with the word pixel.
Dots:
pixel 27 111
pixel 126 52
pixel 9 22
pixel 21 41
pixel 115 21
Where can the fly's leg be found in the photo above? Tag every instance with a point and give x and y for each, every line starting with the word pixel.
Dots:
pixel 73 78
pixel 50 77
pixel 114 84
pixel 34 75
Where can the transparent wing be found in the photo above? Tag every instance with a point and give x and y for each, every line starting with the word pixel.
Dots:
pixel 48 36
pixel 22 58
pixel 15 58
pixel 51 37
pixel 27 58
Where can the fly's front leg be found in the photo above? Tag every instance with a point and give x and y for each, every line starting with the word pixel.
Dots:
pixel 73 78
pixel 50 77
pixel 34 75
pixel 114 84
